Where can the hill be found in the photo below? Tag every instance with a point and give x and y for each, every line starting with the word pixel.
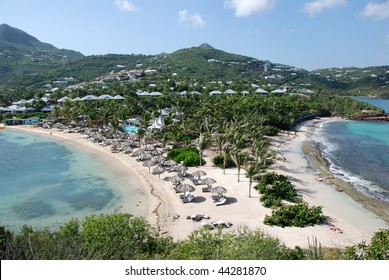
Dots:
pixel 25 60
pixel 28 63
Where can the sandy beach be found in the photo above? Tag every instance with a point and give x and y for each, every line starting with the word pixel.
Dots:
pixel 165 210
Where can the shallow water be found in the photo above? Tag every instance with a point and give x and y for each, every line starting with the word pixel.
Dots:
pixel 359 153
pixel 46 183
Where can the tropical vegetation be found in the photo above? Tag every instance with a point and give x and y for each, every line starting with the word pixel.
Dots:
pixel 125 237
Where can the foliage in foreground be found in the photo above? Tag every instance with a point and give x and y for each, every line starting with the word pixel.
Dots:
pixel 123 236
pixel 299 215
pixel 116 236
pixel 378 249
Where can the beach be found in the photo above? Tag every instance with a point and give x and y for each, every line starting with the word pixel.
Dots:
pixel 165 210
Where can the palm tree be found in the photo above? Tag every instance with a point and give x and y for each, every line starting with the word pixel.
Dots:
pixel 226 152
pixel 239 158
pixel 253 171
pixel 204 142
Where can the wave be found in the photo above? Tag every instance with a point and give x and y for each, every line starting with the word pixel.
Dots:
pixel 339 170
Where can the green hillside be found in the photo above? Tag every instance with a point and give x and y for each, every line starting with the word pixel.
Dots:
pixel 27 63
pixel 24 60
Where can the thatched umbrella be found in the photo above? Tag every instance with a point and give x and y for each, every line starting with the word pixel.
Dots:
pixel 219 190
pixel 150 148
pixel 158 170
pixel 159 159
pixel 145 156
pixel 148 163
pixel 181 168
pixel 208 181
pixel 138 153
pixel 128 150
pixel 184 188
pixel 155 152
pixel 197 174
pixel 169 163
pixel 176 180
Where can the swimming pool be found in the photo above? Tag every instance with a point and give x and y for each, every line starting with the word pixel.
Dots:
pixel 130 129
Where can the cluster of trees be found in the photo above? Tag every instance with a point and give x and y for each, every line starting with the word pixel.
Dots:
pixel 123 236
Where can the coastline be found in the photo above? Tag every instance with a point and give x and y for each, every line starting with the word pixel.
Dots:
pixel 168 214
pixel 322 168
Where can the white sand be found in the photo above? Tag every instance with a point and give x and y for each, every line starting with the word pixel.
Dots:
pixel 164 204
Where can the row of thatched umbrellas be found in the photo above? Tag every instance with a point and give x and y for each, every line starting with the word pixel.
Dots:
pixel 153 157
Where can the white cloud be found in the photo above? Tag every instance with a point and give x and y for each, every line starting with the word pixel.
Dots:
pixel 317 6
pixel 376 10
pixel 126 6
pixel 190 20
pixel 244 8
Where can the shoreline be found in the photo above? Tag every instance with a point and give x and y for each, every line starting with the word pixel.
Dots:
pixel 321 166
pixel 168 214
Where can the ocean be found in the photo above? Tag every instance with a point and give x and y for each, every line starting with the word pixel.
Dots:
pixel 358 152
pixel 46 183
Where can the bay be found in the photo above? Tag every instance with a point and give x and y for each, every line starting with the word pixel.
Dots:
pixel 47 183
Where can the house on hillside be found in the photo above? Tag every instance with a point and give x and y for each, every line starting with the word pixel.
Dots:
pixel 215 92
pixel 278 91
pixel 230 91
pixel 16 109
pixel 261 91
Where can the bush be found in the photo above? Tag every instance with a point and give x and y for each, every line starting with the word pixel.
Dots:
pixel 188 156
pixel 299 215
pixel 378 249
pixel 219 161
pixel 274 188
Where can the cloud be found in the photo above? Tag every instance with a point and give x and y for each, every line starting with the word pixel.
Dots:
pixel 376 11
pixel 125 6
pixel 193 21
pixel 317 6
pixel 244 8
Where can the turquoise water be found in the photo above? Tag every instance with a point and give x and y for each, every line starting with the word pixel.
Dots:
pixel 380 103
pixel 46 183
pixel 131 129
pixel 359 152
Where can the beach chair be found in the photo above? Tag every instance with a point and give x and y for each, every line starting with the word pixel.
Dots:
pixel 187 199
pixel 222 200
pixel 185 195
pixel 221 224
pixel 207 189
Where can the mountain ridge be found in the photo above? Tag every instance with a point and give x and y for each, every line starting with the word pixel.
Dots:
pixel 27 62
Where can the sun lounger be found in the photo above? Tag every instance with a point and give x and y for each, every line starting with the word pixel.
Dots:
pixel 185 195
pixel 222 200
pixel 187 199
pixel 207 189
pixel 221 224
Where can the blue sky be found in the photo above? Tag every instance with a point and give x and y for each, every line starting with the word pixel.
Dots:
pixel 310 34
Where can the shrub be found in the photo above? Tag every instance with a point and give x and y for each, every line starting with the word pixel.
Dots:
pixel 188 156
pixel 275 187
pixel 299 215
pixel 378 249
pixel 219 161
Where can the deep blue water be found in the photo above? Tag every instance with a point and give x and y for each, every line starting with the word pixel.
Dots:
pixel 46 183
pixel 359 152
